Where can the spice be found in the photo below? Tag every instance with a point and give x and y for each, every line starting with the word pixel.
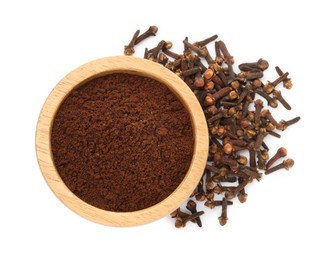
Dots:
pixel 284 124
pixel 181 222
pixel 281 152
pixel 192 206
pixel 277 95
pixel 152 30
pixel 206 41
pixel 261 64
pixel 286 82
pixel 226 97
pixel 270 86
pixel 223 218
pixel 286 164
pixel 129 49
pixel 122 142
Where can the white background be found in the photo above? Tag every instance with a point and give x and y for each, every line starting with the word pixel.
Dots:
pixel 288 214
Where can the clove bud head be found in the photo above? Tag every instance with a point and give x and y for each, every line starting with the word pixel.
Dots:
pixel 288 163
pixel 223 221
pixel 153 29
pixel 282 152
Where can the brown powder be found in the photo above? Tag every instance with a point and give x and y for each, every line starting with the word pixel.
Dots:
pixel 122 142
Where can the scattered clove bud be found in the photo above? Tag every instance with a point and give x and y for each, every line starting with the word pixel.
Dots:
pixel 286 164
pixel 287 83
pixel 284 124
pixel 270 86
pixel 277 95
pixel 192 206
pixel 261 64
pixel 224 216
pixel 181 222
pixel 152 30
pixel 281 152
pixel 129 49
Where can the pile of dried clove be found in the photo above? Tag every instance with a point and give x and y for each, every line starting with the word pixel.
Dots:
pixel 238 153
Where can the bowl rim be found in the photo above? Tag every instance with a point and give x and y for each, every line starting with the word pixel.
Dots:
pixel 136 66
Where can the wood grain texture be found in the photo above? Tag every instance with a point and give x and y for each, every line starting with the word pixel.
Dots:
pixel 135 66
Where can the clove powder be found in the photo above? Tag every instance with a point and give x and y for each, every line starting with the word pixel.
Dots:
pixel 122 142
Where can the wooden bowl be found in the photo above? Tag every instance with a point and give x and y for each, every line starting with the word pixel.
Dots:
pixel 100 68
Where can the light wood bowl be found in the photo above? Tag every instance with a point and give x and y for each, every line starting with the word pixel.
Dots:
pixel 100 68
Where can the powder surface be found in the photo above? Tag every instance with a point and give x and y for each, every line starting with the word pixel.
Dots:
pixel 122 142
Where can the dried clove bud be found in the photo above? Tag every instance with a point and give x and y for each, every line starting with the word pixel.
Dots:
pixel 129 49
pixel 281 152
pixel 286 164
pixel 224 216
pixel 181 222
pixel 152 30
pixel 192 206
